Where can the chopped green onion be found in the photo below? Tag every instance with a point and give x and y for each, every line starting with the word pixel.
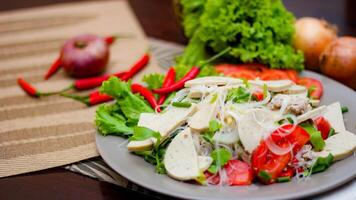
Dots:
pixel 246 83
pixel 181 104
pixel 344 109
pixel 283 179
pixel 331 132
pixel 265 90
pixel 214 98
pixel 315 136
pixel 265 176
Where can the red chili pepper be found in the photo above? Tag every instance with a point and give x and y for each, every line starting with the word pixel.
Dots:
pixel 168 81
pixel 193 72
pixel 97 98
pixel 88 83
pixel 111 39
pixel 138 66
pixel 54 68
pixel 27 87
pixel 137 88
pixel 90 100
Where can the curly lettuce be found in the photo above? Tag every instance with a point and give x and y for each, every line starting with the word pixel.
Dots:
pixel 257 31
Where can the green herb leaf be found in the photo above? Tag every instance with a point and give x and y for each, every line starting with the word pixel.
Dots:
pixel 214 126
pixel 344 109
pixel 238 95
pixel 321 164
pixel 143 133
pixel 220 157
pixel 331 132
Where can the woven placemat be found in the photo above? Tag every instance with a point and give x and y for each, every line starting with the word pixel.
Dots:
pixel 36 134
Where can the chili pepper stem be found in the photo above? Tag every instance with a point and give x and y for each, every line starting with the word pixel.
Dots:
pixel 83 99
pixel 45 94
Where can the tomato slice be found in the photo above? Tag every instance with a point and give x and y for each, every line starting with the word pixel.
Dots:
pixel 258 96
pixel 263 160
pixel 239 173
pixel 245 74
pixel 314 86
pixel 323 126
pixel 274 74
pixel 298 137
pixel 287 172
pixel 292 74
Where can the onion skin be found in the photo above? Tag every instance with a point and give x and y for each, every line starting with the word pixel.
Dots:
pixel 312 36
pixel 84 56
pixel 339 60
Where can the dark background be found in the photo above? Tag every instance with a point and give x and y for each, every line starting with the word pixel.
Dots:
pixel 158 20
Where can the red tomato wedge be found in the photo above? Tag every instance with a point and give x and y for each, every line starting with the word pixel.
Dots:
pixel 292 74
pixel 245 74
pixel 272 165
pixel 314 86
pixel 258 96
pixel 298 137
pixel 288 172
pixel 237 172
pixel 323 126
pixel 263 160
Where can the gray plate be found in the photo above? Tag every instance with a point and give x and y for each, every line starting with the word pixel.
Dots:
pixel 114 152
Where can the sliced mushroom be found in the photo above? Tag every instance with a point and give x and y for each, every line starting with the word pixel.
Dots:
pixel 274 86
pixel 206 112
pixel 340 145
pixel 213 80
pixel 204 162
pixel 181 158
pixel 334 115
pixel 311 114
pixel 252 126
pixel 163 123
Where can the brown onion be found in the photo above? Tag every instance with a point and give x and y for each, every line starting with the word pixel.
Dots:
pixel 311 37
pixel 339 60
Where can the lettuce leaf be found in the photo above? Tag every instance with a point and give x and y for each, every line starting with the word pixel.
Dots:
pixel 131 105
pixel 258 31
pixel 109 123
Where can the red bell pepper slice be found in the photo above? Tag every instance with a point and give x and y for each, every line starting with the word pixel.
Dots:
pixel 323 126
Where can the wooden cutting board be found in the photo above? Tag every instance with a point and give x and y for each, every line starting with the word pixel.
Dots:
pixel 36 134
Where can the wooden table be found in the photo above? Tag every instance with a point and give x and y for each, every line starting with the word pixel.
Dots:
pixel 61 184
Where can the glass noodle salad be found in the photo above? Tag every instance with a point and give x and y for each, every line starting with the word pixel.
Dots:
pixel 229 131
